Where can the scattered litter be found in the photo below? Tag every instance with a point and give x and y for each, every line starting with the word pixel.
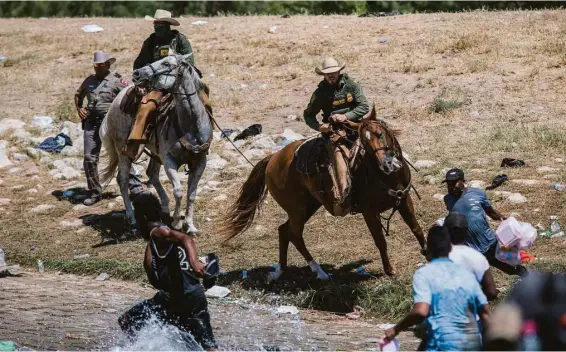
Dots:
pixel 438 196
pixel 362 271
pixel 44 123
pixel 325 27
pixel 263 86
pixel 217 292
pixel 55 144
pixel 199 23
pixel 227 132
pixel 2 58
pixel 244 274
pixel 243 85
pixel 2 257
pixel 383 41
pixel 82 256
pixel 509 162
pixel 212 75
pixel 558 187
pixel 40 266
pixel 252 130
pixel 287 310
pixel 497 181
pixel 272 29
pixel 440 221
pixel 513 233
pixel 509 255
pixel 102 277
pixel 7 346
pixel 475 113
pixel 92 28
pixel 554 224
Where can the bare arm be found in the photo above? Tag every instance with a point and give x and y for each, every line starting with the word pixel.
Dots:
pixel 173 236
pixel 494 214
pixel 488 286
pixel 416 315
pixel 484 315
pixel 147 267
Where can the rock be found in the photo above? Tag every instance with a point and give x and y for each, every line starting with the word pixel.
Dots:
pixel 5 201
pixel 102 277
pixel 431 180
pixel 79 207
pixel 503 194
pixel 71 129
pixel 220 198
pixel 254 154
pixel 15 170
pixel 544 169
pixel 82 256
pixel 17 187
pixel 21 136
pixel 516 198
pixel 559 160
pixel 42 208
pixel 213 184
pixel 423 164
pixel 32 152
pixel 4 161
pixel 475 114
pixel 71 223
pixel 36 178
pixel 263 143
pixel 31 170
pixel 438 196
pixel 217 292
pixel 527 182
pixel 551 177
pixel 239 144
pixel 476 184
pixel 19 157
pixel 287 310
pixel 38 187
pixel 44 123
pixel 215 162
pixel 32 191
pixel 293 118
pixel 45 160
pixel 481 161
pixel 287 135
pixel 478 171
pixel 10 124
pixel 111 205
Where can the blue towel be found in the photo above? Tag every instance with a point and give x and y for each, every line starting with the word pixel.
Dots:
pixel 55 144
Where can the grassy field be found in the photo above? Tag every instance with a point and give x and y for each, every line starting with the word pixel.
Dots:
pixel 466 90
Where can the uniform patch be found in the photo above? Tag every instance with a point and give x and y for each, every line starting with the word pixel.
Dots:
pixel 338 102
pixel 163 52
pixel 349 97
pixel 105 85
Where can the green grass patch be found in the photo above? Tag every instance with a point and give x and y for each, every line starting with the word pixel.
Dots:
pixel 509 137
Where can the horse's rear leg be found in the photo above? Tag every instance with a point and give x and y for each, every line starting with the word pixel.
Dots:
pixel 153 173
pixel 407 212
pixel 374 225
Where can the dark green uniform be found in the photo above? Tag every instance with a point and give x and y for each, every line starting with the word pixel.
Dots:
pixel 348 98
pixel 156 48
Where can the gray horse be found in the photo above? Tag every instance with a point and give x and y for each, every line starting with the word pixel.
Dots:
pixel 191 124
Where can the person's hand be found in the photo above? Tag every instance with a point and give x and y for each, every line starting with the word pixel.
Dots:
pixel 82 113
pixel 503 217
pixel 325 128
pixel 199 269
pixel 390 334
pixel 338 118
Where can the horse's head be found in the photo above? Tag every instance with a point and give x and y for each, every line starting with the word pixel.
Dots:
pixel 378 140
pixel 162 75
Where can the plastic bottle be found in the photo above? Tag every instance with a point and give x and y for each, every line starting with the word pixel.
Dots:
pixel 244 274
pixel 558 186
pixel 554 225
pixel 2 259
pixel 530 340
pixel 40 266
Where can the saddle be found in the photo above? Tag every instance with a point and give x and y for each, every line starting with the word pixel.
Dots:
pixel 311 156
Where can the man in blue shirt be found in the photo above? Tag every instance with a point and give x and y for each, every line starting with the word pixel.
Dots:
pixel 473 203
pixel 447 297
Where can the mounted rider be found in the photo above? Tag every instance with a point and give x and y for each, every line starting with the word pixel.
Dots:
pixel 341 99
pixel 161 43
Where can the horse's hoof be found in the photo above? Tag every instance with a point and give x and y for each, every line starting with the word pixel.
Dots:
pixel 322 276
pixel 390 272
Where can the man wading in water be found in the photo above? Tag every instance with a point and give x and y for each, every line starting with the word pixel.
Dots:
pixel 172 267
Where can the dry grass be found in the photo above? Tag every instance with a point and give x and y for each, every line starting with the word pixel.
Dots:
pixel 504 67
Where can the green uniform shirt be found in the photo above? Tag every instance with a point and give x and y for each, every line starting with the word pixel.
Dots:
pixel 156 48
pixel 100 93
pixel 348 98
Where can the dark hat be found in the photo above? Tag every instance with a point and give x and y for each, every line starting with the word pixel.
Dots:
pixel 456 220
pixel 454 175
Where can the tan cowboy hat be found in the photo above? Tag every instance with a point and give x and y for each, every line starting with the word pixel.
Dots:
pixel 100 57
pixel 329 65
pixel 163 16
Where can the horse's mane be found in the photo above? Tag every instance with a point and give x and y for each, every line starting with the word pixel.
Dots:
pixel 392 131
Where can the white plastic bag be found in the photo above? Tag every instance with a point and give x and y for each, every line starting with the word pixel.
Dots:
pixel 509 255
pixel 513 233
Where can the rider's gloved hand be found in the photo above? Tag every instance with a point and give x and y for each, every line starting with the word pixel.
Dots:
pixel 338 118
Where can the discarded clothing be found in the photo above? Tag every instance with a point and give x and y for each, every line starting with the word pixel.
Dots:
pixel 55 144
pixel 227 132
pixel 498 181
pixel 253 130
pixel 509 162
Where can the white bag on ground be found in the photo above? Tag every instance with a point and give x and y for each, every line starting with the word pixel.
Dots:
pixel 515 233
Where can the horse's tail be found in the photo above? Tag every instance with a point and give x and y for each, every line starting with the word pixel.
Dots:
pixel 252 194
pixel 107 172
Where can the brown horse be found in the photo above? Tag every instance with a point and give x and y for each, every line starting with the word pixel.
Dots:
pixel 381 180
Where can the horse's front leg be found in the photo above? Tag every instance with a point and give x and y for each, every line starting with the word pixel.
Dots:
pixel 171 171
pixel 374 225
pixel 407 212
pixel 196 172
pixel 124 166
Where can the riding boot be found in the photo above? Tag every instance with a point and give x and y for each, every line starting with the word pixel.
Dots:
pixel 341 181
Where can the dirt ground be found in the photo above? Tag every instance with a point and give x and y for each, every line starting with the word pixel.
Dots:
pixel 465 89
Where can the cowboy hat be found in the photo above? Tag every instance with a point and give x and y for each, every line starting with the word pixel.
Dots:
pixel 162 16
pixel 329 65
pixel 100 57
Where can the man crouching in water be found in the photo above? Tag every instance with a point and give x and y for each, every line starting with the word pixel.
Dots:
pixel 172 267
